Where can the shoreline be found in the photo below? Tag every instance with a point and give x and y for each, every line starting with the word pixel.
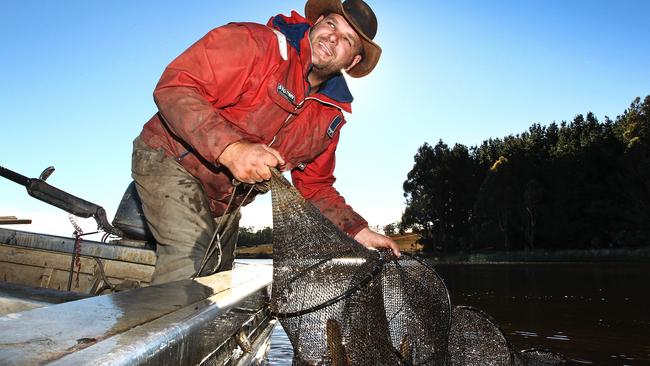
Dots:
pixel 641 255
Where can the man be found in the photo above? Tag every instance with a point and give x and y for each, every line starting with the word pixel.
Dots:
pixel 244 98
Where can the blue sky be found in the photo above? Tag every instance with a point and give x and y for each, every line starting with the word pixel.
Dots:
pixel 77 78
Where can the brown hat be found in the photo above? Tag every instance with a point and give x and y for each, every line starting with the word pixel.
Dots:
pixel 361 18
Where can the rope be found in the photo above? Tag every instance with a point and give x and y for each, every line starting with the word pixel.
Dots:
pixel 107 284
pixel 215 242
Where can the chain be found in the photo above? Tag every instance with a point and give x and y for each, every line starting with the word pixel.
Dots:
pixel 78 232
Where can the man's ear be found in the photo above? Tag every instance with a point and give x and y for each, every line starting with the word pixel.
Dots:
pixel 354 62
pixel 319 19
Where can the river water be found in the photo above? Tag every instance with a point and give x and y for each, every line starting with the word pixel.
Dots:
pixel 594 313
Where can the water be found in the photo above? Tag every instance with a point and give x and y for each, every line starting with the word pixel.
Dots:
pixel 596 313
pixel 281 353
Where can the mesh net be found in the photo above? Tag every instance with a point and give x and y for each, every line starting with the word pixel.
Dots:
pixel 474 339
pixel 342 304
pixel 539 357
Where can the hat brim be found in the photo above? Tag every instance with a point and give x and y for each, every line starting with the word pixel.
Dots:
pixel 372 51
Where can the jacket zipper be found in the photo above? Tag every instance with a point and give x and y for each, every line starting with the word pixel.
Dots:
pixel 286 120
pixel 297 107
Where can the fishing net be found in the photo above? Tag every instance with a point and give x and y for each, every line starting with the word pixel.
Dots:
pixel 342 304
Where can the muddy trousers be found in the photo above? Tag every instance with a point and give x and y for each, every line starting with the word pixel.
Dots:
pixel 178 214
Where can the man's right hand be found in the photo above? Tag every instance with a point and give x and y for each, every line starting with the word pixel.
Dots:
pixel 248 162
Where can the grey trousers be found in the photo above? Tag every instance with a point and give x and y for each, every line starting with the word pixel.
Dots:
pixel 178 214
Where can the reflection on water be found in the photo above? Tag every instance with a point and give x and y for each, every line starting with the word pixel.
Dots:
pixel 597 313
pixel 281 353
pixel 594 312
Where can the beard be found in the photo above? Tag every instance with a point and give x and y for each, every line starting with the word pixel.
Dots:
pixel 325 69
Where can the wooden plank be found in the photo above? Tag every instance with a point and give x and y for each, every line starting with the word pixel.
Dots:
pixel 31 276
pixel 65 245
pixel 14 221
pixel 46 277
pixel 61 261
pixel 51 269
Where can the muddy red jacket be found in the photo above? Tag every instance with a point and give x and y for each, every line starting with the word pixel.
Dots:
pixel 248 82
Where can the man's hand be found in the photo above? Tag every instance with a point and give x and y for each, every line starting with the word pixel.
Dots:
pixel 248 162
pixel 371 239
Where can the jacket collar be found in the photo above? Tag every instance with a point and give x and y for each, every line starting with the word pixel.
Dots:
pixel 296 28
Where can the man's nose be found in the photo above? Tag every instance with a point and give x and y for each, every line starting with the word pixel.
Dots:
pixel 333 37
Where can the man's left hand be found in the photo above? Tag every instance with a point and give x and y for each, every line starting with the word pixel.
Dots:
pixel 371 239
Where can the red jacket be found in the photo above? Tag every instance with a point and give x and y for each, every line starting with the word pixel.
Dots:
pixel 246 81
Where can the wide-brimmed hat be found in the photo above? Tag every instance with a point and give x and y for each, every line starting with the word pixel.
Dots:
pixel 361 18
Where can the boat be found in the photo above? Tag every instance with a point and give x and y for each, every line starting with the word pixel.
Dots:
pixel 71 301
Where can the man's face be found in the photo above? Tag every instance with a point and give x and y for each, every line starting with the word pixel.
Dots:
pixel 335 45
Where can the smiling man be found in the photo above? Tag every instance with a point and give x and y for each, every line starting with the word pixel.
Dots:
pixel 244 98
pixel 335 46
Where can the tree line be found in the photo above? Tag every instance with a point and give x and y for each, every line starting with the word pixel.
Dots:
pixel 579 184
pixel 248 236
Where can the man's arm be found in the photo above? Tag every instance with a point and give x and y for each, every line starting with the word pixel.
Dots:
pixel 213 73
pixel 371 239
pixel 316 182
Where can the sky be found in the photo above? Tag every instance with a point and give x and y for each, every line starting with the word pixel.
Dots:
pixel 77 78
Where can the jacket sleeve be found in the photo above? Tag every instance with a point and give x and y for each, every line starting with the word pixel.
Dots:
pixel 316 182
pixel 213 73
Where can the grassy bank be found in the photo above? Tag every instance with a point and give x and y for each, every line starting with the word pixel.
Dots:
pixel 408 243
pixel 258 252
